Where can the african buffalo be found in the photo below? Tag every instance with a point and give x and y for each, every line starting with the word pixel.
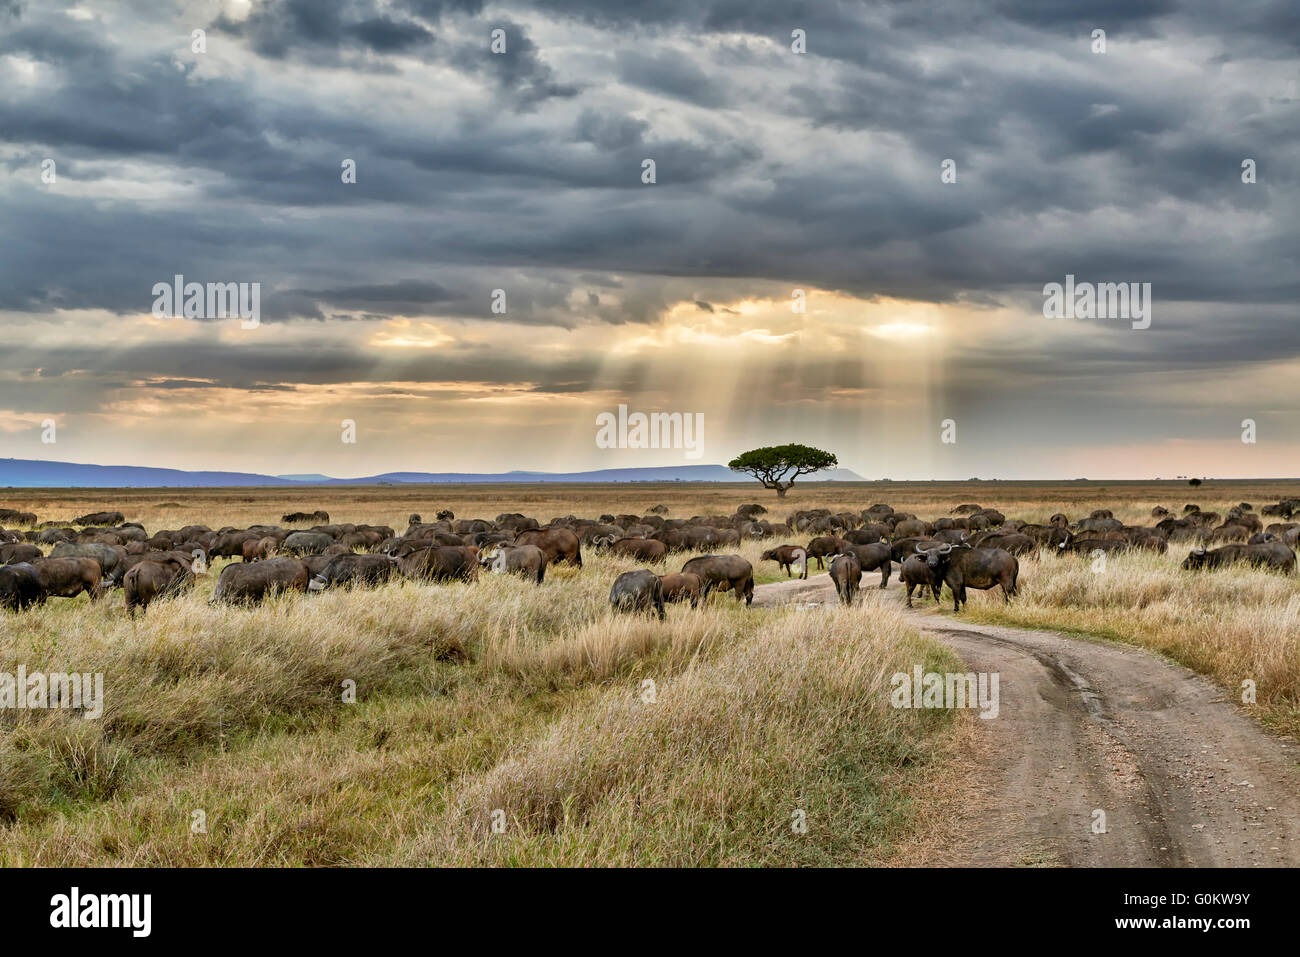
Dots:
pixel 441 563
pixel 910 528
pixel 1013 542
pixel 646 549
pixel 868 535
pixel 526 560
pixel 680 587
pixel 319 516
pixel 901 548
pixel 1272 555
pixel 16 552
pixel 846 573
pixel 69 577
pixel 961 567
pixel 251 582
pixel 557 544
pixel 639 590
pixel 259 549
pixel 823 547
pixel 1087 546
pixel 110 557
pixel 916 571
pixel 873 556
pixel 354 570
pixel 99 518
pixel 196 563
pixel 724 572
pixel 147 581
pixel 20 586
pixel 787 555
pixel 306 543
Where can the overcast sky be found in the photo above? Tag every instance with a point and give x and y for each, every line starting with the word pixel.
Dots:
pixel 775 171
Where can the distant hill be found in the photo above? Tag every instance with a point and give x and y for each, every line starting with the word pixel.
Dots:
pixel 34 473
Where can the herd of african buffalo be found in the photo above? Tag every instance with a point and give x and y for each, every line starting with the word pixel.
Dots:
pixel 973 547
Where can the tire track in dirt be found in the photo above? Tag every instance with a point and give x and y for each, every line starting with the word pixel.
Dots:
pixel 1185 778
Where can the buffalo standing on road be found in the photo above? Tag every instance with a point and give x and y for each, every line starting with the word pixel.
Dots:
pixel 961 567
pixel 916 571
pixel 873 556
pixel 846 573
pixel 823 547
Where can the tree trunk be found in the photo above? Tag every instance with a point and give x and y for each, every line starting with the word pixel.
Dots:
pixel 781 490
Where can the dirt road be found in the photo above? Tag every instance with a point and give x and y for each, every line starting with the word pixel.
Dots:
pixel 1184 778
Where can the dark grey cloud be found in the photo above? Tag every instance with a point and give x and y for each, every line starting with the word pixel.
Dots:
pixel 522 171
pixel 278 28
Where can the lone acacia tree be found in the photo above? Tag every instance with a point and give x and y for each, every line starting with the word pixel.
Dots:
pixel 773 464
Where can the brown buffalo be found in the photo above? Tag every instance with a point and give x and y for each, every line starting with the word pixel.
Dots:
pixel 69 577
pixel 873 556
pixel 645 549
pixel 724 572
pixel 251 582
pixel 823 547
pixel 787 555
pixel 440 563
pixel 916 572
pixel 846 573
pixel 525 560
pixel 145 582
pixel 16 552
pixel 681 587
pixel 557 544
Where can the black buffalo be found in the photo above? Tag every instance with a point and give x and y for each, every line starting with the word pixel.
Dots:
pixel 1273 555
pixel 961 567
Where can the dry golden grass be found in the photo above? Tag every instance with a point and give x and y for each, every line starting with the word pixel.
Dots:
pixel 498 691
pixel 504 696
pixel 1033 501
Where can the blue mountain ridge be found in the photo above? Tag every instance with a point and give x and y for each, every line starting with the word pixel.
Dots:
pixel 36 473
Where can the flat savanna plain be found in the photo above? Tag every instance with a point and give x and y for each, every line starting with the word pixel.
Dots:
pixel 505 723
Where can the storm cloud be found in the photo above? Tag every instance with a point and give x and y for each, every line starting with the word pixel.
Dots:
pixel 500 243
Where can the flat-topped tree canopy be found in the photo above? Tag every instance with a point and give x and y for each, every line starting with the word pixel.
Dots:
pixel 777 466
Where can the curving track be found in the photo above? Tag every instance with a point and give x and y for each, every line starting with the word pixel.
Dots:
pixel 1184 777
